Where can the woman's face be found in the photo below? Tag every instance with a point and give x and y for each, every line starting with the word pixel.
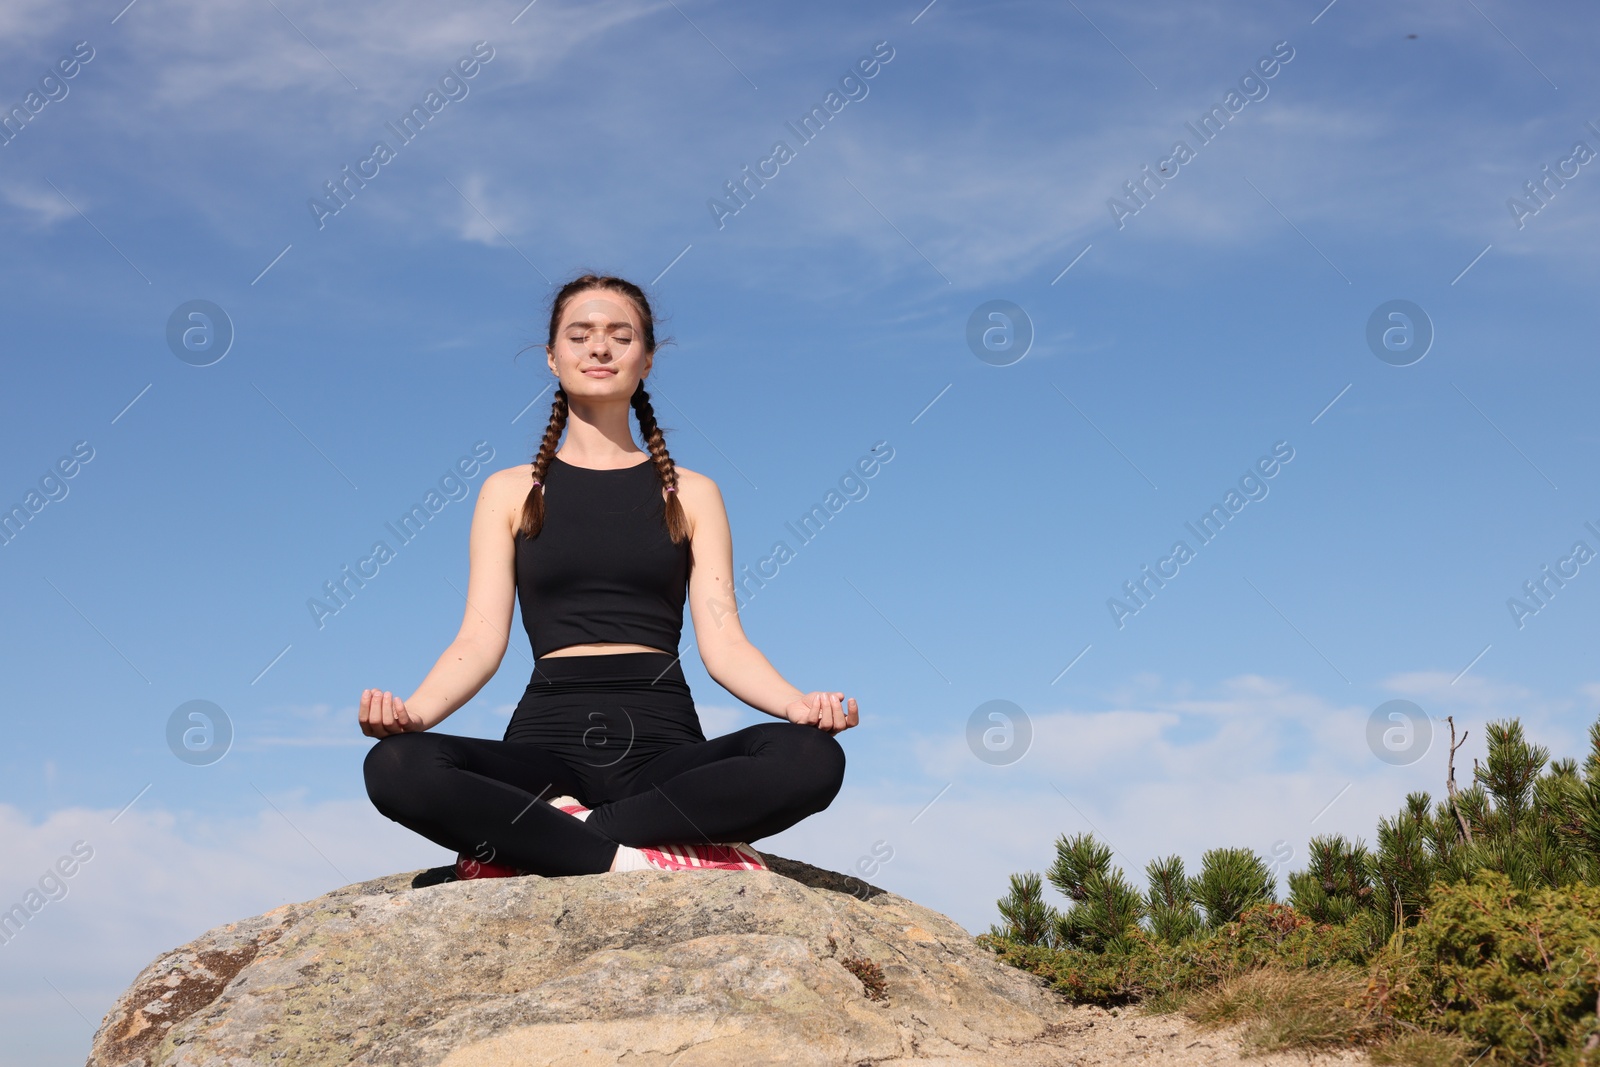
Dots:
pixel 599 345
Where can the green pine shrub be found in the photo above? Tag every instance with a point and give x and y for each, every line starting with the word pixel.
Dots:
pixel 1105 908
pixel 1169 902
pixel 1471 926
pixel 1515 970
pixel 1231 880
pixel 1028 919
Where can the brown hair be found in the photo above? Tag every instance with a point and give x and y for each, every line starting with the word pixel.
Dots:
pixel 677 522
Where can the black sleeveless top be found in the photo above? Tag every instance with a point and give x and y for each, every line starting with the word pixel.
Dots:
pixel 603 567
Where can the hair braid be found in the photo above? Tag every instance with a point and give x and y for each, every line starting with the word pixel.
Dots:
pixel 533 507
pixel 655 441
pixel 676 519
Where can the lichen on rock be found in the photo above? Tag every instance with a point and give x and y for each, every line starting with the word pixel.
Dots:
pixel 796 965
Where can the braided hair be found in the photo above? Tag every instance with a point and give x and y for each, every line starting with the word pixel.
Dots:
pixel 677 522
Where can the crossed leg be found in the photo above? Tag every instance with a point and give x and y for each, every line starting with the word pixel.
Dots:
pixel 741 786
pixel 487 798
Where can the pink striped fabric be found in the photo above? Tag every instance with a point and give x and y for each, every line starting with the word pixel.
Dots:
pixel 688 857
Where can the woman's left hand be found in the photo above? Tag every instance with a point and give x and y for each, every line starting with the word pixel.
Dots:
pixel 824 710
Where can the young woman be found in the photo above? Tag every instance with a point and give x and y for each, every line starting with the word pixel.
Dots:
pixel 603 766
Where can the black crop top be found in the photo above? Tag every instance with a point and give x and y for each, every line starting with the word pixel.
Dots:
pixel 603 567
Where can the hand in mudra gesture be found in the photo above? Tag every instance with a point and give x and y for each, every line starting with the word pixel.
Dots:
pixel 824 710
pixel 383 713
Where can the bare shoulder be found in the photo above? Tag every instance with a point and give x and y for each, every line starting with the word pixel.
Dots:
pixel 505 490
pixel 699 496
pixel 509 481
pixel 693 481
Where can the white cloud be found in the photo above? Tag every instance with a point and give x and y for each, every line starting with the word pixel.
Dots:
pixel 157 879
pixel 991 188
pixel 719 719
pixel 42 206
pixel 1152 735
pixel 36 20
pixel 1260 764
pixel 204 55
pixel 300 726
pixel 1559 722
pixel 1168 772
pixel 480 214
pixel 1474 692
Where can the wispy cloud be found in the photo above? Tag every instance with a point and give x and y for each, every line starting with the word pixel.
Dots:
pixel 158 878
pixel 39 206
pixel 990 189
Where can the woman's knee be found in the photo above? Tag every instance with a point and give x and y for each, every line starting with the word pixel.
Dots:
pixel 393 765
pixel 820 759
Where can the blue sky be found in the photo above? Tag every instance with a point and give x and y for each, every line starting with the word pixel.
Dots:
pixel 1225 317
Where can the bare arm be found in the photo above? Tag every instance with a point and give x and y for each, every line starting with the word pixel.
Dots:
pixel 731 660
pixel 475 654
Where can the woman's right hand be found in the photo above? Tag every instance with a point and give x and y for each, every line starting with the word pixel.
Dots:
pixel 825 710
pixel 383 713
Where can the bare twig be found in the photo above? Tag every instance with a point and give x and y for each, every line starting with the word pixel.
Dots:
pixel 1450 780
pixel 1538 943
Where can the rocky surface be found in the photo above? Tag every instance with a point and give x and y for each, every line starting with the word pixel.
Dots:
pixel 688 969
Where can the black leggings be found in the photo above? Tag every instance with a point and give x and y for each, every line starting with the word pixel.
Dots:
pixel 619 733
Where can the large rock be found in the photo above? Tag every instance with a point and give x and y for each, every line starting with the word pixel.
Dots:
pixel 645 967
